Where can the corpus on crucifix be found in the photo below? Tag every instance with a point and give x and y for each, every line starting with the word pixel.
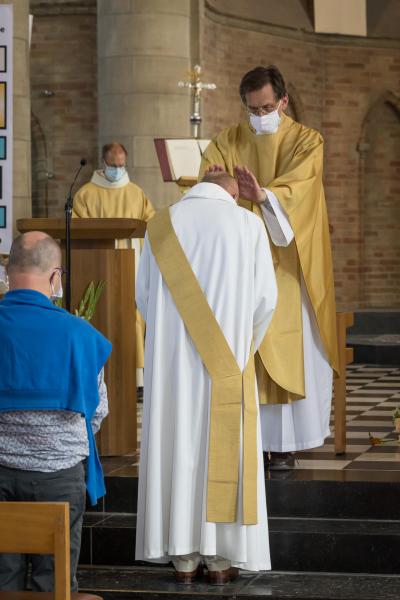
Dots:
pixel 197 86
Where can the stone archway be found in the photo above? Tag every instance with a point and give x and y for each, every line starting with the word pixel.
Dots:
pixel 39 170
pixel 379 149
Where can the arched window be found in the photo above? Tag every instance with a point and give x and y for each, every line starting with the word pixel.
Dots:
pixel 379 149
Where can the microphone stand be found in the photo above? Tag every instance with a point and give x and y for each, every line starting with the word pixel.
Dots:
pixel 68 215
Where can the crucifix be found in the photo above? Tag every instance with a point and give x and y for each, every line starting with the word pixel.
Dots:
pixel 197 86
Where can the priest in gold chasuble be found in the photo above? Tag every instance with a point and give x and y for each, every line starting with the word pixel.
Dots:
pixel 111 194
pixel 278 164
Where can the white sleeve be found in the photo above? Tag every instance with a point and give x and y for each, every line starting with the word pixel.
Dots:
pixel 143 279
pixel 102 408
pixel 276 220
pixel 265 288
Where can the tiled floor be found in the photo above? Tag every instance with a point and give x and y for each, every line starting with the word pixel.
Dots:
pixel 373 392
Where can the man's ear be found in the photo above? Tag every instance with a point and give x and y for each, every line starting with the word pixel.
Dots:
pixel 285 102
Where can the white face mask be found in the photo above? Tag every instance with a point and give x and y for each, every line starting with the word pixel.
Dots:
pixel 266 123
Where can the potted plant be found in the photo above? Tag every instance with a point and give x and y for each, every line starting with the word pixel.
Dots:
pixel 396 419
pixel 88 303
pixel 89 300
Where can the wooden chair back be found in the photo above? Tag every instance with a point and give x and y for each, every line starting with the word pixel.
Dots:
pixel 39 528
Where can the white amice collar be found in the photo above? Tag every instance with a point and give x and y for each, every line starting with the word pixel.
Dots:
pixel 98 178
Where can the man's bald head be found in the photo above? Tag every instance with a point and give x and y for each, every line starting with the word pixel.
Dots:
pixel 223 179
pixel 34 252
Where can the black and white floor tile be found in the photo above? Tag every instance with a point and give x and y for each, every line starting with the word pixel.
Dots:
pixel 373 392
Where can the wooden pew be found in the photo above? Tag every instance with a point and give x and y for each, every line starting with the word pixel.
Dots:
pixel 39 528
pixel 343 321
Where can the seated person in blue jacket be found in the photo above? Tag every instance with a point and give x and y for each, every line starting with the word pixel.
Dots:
pixel 52 401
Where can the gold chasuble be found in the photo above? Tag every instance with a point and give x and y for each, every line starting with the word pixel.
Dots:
pixel 231 389
pixel 123 199
pixel 289 163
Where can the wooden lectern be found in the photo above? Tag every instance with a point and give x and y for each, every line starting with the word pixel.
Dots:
pixel 95 258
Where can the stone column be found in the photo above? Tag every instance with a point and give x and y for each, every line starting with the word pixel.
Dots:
pixel 143 51
pixel 22 204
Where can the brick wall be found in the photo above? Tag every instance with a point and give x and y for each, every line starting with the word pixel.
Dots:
pixel 347 88
pixel 64 126
pixel 335 82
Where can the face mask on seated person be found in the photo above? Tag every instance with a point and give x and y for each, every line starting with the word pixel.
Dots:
pixel 114 174
pixel 266 123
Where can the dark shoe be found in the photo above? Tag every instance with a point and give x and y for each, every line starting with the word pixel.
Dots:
pixel 282 461
pixel 188 577
pixel 222 577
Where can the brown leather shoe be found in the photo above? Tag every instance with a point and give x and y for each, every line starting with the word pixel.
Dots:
pixel 282 461
pixel 188 577
pixel 222 577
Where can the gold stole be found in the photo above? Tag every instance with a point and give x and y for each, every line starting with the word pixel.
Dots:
pixel 229 385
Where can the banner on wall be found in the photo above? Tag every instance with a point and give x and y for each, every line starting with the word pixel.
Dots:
pixel 6 126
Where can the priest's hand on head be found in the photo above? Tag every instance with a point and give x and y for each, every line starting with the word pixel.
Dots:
pixel 248 185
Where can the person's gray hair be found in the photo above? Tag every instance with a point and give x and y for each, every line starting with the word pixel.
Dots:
pixel 39 255
pixel 221 178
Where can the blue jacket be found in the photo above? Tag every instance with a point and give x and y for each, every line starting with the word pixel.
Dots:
pixel 50 360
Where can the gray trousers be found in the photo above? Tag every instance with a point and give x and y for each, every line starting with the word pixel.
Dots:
pixel 67 485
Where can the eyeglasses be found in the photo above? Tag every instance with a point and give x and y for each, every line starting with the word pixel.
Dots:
pixel 260 111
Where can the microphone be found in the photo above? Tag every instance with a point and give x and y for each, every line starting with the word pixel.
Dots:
pixel 68 215
pixel 82 163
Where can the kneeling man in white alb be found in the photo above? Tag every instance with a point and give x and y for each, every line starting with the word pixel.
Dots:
pixel 207 290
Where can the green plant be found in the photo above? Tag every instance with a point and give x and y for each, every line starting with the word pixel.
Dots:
pixel 396 413
pixel 87 305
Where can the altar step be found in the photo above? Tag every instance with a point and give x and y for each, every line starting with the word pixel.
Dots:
pixel 333 523
pixel 154 583
pixel 375 336
pixel 309 545
pixel 299 493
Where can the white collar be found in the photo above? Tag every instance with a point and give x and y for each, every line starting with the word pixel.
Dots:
pixel 209 191
pixel 98 178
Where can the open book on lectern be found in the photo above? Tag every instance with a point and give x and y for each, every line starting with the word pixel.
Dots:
pixel 180 159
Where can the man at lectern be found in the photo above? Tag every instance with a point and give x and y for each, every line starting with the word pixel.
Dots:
pixel 111 194
pixel 278 166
